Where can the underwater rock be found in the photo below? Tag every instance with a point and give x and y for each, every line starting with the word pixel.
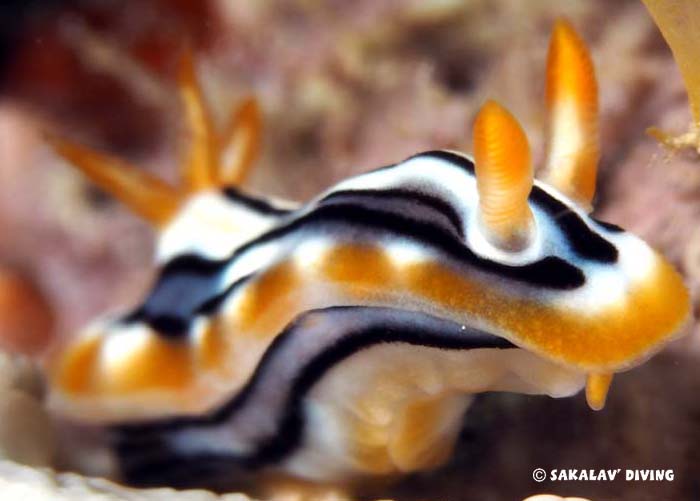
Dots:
pixel 25 434
pixel 43 484
pixel 552 497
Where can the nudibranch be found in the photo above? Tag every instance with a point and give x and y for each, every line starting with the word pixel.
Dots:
pixel 346 337
pixel 678 21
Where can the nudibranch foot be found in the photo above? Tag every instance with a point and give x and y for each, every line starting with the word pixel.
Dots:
pixel 369 390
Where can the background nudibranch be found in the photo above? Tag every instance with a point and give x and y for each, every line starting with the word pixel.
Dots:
pixel 345 337
pixel 678 21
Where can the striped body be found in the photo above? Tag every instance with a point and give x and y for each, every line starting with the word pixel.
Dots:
pixel 396 247
pixel 345 338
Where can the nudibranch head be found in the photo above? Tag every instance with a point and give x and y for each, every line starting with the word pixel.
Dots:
pixel 255 302
pixel 205 217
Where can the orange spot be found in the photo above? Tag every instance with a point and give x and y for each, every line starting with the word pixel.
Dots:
pixel 358 267
pixel 503 176
pixel 160 365
pixel 212 347
pixel 573 148
pixel 269 301
pixel 77 371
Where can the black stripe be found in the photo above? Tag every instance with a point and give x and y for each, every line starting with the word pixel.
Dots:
pixel 447 156
pixel 257 204
pixel 413 196
pixel 585 242
pixel 551 272
pixel 612 228
pixel 147 460
pixel 212 305
pixel 182 286
pixel 187 283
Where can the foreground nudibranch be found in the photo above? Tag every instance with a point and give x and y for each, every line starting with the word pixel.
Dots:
pixel 346 336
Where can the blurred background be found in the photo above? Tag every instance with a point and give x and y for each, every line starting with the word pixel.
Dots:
pixel 346 87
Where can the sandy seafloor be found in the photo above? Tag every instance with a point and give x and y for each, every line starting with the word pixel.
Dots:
pixel 345 87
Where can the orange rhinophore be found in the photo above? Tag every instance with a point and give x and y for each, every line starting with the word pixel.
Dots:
pixel 147 196
pixel 573 143
pixel 503 175
pixel 212 161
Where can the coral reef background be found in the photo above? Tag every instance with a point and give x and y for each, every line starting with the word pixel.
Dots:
pixel 345 87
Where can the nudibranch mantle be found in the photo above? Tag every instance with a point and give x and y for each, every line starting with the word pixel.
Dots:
pixel 212 224
pixel 345 336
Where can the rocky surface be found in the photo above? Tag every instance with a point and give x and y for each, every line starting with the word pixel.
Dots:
pixel 42 484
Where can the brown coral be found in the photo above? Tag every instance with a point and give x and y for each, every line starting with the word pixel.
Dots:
pixel 26 320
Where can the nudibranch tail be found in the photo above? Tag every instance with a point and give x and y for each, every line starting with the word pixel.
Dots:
pixel 146 195
pixel 240 143
pixel 504 177
pixel 573 148
pixel 597 386
pixel 199 170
